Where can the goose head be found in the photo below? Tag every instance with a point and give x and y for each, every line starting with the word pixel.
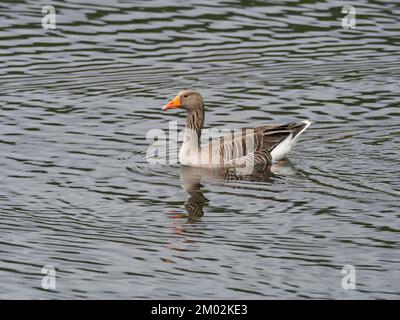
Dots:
pixel 189 100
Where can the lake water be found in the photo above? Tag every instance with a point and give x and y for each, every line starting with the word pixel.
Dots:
pixel 77 192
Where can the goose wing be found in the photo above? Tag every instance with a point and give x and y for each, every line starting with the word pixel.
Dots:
pixel 257 144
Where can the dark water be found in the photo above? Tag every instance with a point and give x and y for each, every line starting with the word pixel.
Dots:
pixel 77 193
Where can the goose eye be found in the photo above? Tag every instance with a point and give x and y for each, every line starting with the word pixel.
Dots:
pixel 185 96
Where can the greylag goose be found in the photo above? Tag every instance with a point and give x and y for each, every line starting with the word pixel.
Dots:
pixel 249 147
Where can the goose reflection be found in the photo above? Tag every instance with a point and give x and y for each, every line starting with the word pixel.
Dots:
pixel 191 178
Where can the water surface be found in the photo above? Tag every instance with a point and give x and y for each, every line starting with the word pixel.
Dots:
pixel 77 193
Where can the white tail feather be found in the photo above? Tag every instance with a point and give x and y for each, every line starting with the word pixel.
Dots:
pixel 283 148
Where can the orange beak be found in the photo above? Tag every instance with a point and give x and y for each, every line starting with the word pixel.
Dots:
pixel 173 104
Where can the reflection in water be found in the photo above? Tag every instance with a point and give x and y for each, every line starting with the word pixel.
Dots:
pixel 191 178
pixel 196 201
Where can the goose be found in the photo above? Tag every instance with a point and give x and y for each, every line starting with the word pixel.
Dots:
pixel 247 147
